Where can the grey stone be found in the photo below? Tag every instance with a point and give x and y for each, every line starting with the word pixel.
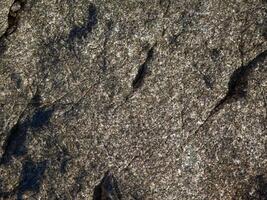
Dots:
pixel 168 95
pixel 4 10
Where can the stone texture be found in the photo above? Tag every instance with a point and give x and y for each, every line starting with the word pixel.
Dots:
pixel 168 95
pixel 4 10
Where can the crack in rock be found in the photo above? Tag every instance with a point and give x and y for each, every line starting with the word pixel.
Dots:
pixel 143 70
pixel 107 188
pixel 237 85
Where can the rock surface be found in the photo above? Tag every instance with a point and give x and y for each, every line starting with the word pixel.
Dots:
pixel 4 10
pixel 171 96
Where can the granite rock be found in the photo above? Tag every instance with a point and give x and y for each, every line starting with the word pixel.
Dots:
pixel 168 95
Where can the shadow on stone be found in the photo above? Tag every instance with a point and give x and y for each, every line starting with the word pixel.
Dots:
pixel 31 177
pixel 107 189
pixel 256 189
pixel 15 142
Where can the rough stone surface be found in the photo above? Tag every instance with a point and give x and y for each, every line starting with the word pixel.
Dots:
pixel 4 10
pixel 171 96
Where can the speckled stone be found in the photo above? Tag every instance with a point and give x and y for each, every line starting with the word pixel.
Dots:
pixel 168 95
pixel 4 10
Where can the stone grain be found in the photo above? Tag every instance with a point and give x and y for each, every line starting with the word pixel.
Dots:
pixel 133 87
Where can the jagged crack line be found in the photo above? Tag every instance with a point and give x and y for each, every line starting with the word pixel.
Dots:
pixel 237 85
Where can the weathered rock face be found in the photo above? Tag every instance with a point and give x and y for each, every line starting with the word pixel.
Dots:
pixel 168 95
pixel 4 10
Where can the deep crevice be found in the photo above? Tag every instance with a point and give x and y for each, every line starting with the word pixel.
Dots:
pixel 143 70
pixel 237 85
pixel 107 188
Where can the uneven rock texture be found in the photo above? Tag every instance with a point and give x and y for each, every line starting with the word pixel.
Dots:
pixel 171 96
pixel 4 10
